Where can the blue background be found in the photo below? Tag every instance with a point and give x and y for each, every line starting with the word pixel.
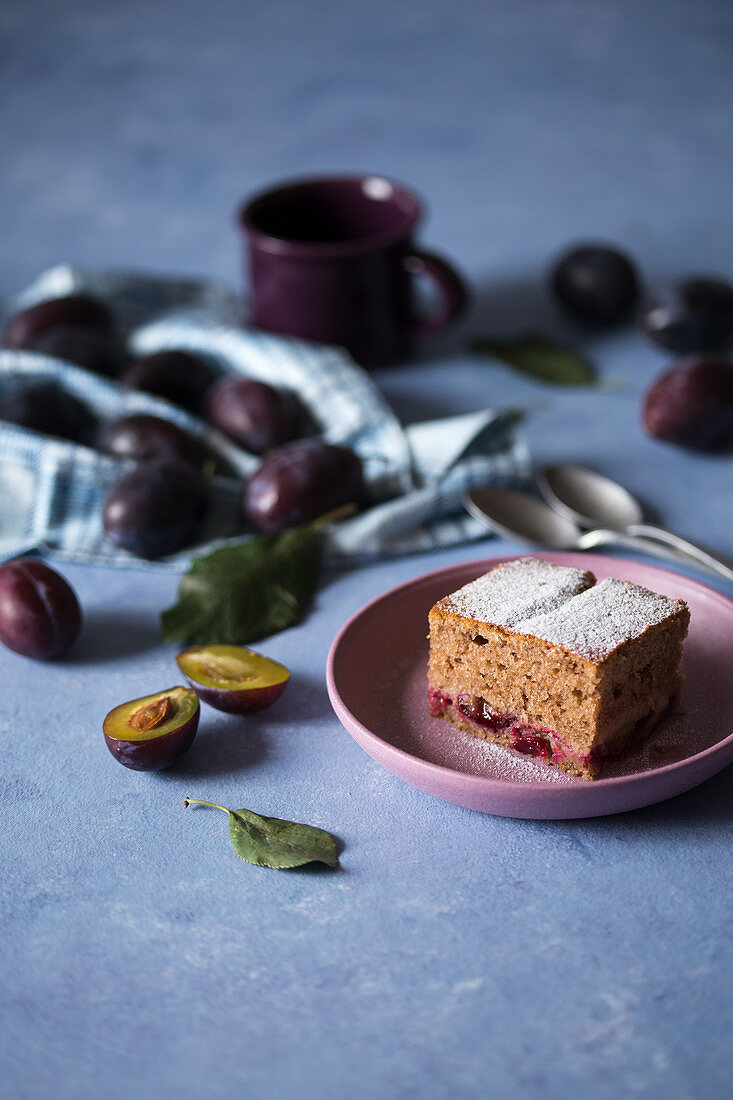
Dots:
pixel 454 954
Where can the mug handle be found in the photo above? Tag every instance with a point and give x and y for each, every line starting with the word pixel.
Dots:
pixel 452 291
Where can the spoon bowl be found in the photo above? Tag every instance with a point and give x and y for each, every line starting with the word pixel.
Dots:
pixel 531 521
pixel 589 498
pixel 522 517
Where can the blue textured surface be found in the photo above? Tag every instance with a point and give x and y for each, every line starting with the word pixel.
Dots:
pixel 455 954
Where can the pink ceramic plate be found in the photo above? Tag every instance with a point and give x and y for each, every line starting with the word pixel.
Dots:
pixel 377 685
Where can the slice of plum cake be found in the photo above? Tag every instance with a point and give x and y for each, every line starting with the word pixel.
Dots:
pixel 544 660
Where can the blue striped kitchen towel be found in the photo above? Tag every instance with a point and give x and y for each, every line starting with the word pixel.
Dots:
pixel 52 491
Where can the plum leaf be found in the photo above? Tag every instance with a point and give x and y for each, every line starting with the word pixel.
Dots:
pixel 272 842
pixel 541 357
pixel 239 594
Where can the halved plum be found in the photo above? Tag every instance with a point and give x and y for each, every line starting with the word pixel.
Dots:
pixel 233 678
pixel 149 733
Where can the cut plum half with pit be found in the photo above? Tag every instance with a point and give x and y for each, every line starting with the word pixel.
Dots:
pixel 150 733
pixel 233 678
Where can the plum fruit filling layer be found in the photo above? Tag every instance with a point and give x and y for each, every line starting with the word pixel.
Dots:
pixel 523 738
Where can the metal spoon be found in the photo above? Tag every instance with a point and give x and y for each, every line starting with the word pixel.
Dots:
pixel 590 498
pixel 525 518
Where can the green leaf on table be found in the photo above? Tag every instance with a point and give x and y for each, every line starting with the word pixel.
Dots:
pixel 272 842
pixel 541 357
pixel 239 594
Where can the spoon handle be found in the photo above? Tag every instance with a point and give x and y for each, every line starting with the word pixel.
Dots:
pixel 602 537
pixel 645 530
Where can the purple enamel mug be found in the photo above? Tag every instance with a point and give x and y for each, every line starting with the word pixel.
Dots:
pixel 332 259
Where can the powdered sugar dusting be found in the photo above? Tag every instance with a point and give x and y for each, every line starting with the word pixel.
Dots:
pixel 479 756
pixel 597 621
pixel 562 606
pixel 517 591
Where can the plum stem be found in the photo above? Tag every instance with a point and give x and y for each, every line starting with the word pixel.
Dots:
pixel 203 802
pixel 335 514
